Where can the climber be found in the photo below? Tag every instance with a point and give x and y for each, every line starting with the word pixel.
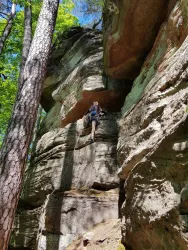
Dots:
pixel 92 117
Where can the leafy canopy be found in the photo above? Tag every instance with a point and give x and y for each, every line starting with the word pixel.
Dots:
pixel 10 59
pixel 88 11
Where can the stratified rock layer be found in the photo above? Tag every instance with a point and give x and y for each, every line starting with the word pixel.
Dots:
pixel 152 147
pixel 71 185
pixel 75 78
pixel 105 236
pixel 73 182
pixel 65 160
pixel 69 214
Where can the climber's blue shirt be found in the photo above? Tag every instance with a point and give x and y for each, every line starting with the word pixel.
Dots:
pixel 94 111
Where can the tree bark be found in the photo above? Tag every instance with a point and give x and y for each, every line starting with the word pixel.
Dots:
pixel 8 27
pixel 16 144
pixel 26 42
pixel 27 37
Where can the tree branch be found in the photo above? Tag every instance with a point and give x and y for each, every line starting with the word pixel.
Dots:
pixel 3 17
pixel 8 27
pixel 96 24
pixel 3 13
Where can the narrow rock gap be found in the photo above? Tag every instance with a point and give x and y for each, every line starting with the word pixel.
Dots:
pixel 20 248
pixel 105 187
pixel 23 205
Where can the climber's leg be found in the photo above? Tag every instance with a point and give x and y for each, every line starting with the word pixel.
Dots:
pixel 93 130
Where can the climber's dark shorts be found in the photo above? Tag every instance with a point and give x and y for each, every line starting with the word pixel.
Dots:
pixel 89 118
pixel 95 118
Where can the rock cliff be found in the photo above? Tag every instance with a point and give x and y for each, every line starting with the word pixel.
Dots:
pixel 72 185
pixel 152 144
pixel 72 191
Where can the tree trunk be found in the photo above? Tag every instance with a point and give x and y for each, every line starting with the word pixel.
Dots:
pixel 8 27
pixel 26 40
pixel 16 144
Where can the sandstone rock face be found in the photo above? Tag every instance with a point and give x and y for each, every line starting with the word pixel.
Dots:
pixel 105 236
pixel 155 211
pixel 130 35
pixel 70 214
pixel 25 229
pixel 152 146
pixel 71 185
pixel 75 77
pixel 66 160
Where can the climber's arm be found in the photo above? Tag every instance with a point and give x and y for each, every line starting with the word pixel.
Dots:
pixel 101 111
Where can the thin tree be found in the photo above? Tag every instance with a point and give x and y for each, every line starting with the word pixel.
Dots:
pixel 13 155
pixel 9 17
pixel 27 39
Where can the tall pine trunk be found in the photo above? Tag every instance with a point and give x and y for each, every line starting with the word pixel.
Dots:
pixel 13 155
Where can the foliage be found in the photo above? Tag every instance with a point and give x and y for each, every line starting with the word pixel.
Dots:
pixel 94 5
pixel 11 58
pixel 5 6
pixel 88 11
pixel 64 18
pixel 120 247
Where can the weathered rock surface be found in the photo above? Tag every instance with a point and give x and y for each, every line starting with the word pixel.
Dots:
pixel 70 214
pixel 106 236
pixel 71 185
pixel 66 160
pixel 25 229
pixel 131 31
pixel 152 146
pixel 156 211
pixel 76 78
pixel 68 178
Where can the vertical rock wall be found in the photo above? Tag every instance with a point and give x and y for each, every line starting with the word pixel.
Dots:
pixel 72 185
pixel 152 145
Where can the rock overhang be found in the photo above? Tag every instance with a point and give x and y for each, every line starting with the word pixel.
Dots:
pixel 75 78
pixel 130 34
